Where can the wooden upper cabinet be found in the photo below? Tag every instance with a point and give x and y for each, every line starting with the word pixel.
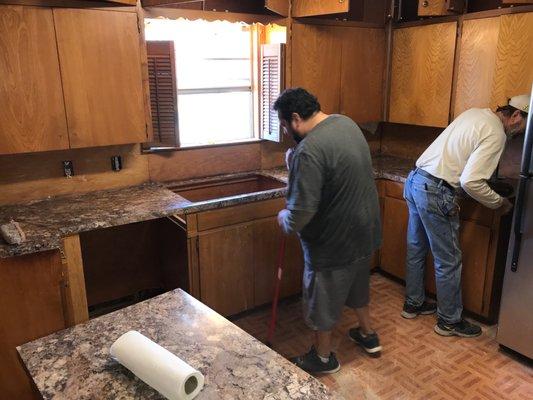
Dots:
pixel 428 8
pixel 477 58
pixel 422 71
pixel 280 7
pixel 126 2
pixel 316 63
pixel 514 60
pixel 308 8
pixel 118 2
pixel 362 70
pixel 32 111
pixel 99 53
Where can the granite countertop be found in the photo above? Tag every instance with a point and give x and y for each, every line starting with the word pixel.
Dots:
pixel 75 363
pixel 46 222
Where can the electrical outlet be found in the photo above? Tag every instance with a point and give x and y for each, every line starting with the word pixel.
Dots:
pixel 68 168
pixel 116 163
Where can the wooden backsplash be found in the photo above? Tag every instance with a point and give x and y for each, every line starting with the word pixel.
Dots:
pixel 33 176
pixel 196 163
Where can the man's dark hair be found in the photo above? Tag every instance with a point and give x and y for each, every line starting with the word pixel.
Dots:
pixel 296 100
pixel 510 110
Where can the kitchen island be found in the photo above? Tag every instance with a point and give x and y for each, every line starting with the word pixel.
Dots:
pixel 75 363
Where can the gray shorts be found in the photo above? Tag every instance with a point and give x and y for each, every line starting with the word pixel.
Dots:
pixel 326 292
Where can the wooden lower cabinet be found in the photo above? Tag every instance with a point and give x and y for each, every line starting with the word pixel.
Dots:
pixel 394 248
pixel 226 269
pixel 237 256
pixel 32 306
pixel 267 237
pixel 484 238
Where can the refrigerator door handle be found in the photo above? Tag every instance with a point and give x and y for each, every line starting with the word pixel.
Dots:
pixel 519 211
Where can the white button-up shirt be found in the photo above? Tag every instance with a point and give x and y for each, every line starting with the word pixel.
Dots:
pixel 467 153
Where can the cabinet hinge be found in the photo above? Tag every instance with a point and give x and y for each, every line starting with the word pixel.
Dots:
pixel 138 23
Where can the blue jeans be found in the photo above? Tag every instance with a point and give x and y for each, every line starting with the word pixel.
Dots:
pixel 433 224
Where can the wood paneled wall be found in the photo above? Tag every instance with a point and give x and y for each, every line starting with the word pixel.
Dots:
pixel 27 177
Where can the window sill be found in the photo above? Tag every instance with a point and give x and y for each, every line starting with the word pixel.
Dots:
pixel 162 149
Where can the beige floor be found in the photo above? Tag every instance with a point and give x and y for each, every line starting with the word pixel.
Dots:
pixel 415 362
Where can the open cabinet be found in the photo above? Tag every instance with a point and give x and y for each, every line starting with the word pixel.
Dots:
pixel 129 263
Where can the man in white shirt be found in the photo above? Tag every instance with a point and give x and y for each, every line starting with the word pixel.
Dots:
pixel 465 155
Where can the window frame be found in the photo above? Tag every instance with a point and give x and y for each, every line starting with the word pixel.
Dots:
pixel 257 39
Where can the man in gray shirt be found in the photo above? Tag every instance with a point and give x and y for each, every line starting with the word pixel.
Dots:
pixel 332 203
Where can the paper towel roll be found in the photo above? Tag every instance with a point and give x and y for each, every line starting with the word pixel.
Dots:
pixel 158 367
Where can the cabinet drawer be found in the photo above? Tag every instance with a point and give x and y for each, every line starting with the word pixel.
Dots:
pixel 238 214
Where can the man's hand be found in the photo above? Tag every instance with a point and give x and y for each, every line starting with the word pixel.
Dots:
pixel 288 157
pixel 506 207
pixel 282 215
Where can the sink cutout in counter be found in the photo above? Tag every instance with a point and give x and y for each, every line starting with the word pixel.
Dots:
pixel 226 187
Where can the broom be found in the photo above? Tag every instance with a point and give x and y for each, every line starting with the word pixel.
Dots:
pixel 277 285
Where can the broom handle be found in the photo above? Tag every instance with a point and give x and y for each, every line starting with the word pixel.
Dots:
pixel 277 285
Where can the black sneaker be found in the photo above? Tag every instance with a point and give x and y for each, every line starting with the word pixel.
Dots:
pixel 368 342
pixel 312 363
pixel 462 329
pixel 411 312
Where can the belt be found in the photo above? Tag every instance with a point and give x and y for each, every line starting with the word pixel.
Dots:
pixel 434 179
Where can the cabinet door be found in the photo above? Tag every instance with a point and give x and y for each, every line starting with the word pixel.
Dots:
pixel 477 59
pixel 267 237
pixel 118 2
pixel 32 111
pixel 280 7
pixel 432 8
pixel 394 247
pixel 32 307
pixel 99 54
pixel 226 265
pixel 422 69
pixel 316 63
pixel 363 65
pixel 307 8
pixel 475 242
pixel 514 60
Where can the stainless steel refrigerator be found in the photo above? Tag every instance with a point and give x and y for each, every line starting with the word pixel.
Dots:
pixel 515 327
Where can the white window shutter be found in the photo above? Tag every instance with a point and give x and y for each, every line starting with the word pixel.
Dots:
pixel 272 69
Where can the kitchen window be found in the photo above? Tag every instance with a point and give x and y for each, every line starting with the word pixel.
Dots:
pixel 206 84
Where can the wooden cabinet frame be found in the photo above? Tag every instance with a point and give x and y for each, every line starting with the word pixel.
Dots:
pixel 254 217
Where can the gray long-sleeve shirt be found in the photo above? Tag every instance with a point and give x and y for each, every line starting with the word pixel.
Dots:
pixel 332 197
